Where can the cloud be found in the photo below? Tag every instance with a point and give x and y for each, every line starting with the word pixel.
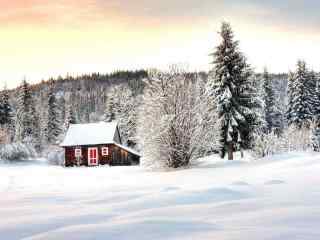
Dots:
pixel 295 15
pixel 290 14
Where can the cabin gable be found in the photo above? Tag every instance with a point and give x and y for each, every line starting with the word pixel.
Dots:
pixel 117 136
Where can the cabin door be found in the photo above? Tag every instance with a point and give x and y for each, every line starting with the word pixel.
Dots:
pixel 93 156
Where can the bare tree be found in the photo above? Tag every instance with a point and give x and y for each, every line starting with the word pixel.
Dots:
pixel 176 125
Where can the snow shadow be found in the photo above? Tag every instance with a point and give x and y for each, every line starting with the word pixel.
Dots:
pixel 115 199
pixel 169 199
pixel 210 196
pixel 240 183
pixel 274 182
pixel 170 189
pixel 21 231
pixel 156 229
pixel 218 164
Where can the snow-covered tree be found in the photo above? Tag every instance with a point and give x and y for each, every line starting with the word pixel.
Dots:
pixel 121 106
pixel 110 111
pixel 233 88
pixel 6 115
pixel 5 109
pixel 126 114
pixel 62 108
pixel 313 85
pixel 70 117
pixel 172 131
pixel 26 117
pixel 300 110
pixel 272 113
pixel 53 121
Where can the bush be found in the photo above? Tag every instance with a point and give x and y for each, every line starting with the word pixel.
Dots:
pixel 16 152
pixel 266 144
pixel 292 139
pixel 55 156
pixel 176 125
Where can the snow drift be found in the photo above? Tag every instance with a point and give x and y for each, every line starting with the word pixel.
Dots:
pixel 276 198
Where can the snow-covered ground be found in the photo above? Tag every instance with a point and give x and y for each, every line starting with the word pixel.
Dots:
pixel 277 198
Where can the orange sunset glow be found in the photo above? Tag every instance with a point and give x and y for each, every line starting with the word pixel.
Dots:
pixel 45 38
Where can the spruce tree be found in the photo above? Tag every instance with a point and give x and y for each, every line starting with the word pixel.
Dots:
pixel 70 117
pixel 314 102
pixel 53 124
pixel 62 108
pixel 26 119
pixel 300 112
pixel 2 121
pixel 109 114
pixel 290 91
pixel 272 113
pixel 5 109
pixel 233 89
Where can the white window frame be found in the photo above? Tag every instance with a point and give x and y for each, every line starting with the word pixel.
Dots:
pixel 78 152
pixel 97 159
pixel 105 151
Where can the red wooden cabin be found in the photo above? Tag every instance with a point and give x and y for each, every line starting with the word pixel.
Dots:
pixel 97 144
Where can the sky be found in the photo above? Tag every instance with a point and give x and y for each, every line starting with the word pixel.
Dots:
pixel 44 38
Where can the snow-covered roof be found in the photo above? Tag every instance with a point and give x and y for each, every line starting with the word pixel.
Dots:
pixel 90 134
pixel 128 149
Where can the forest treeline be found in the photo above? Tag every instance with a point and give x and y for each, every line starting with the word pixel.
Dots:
pixel 174 116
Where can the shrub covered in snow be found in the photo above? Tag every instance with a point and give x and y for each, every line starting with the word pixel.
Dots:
pixel 175 124
pixel 297 139
pixel 16 152
pixel 55 156
pixel 292 139
pixel 266 144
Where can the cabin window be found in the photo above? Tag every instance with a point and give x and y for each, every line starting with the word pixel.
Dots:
pixel 105 151
pixel 77 152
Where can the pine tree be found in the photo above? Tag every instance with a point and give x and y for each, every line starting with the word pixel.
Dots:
pixel 290 94
pixel 126 115
pixel 272 113
pixel 5 109
pixel 62 108
pixel 36 127
pixel 6 116
pixel 109 114
pixel 53 124
pixel 2 114
pixel 70 117
pixel 234 92
pixel 300 112
pixel 314 102
pixel 26 120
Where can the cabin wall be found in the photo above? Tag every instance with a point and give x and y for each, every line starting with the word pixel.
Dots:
pixel 116 156
pixel 70 159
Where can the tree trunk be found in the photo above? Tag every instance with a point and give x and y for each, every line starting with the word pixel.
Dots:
pixel 230 151
pixel 242 153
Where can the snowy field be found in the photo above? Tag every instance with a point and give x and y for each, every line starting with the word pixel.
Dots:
pixel 276 198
